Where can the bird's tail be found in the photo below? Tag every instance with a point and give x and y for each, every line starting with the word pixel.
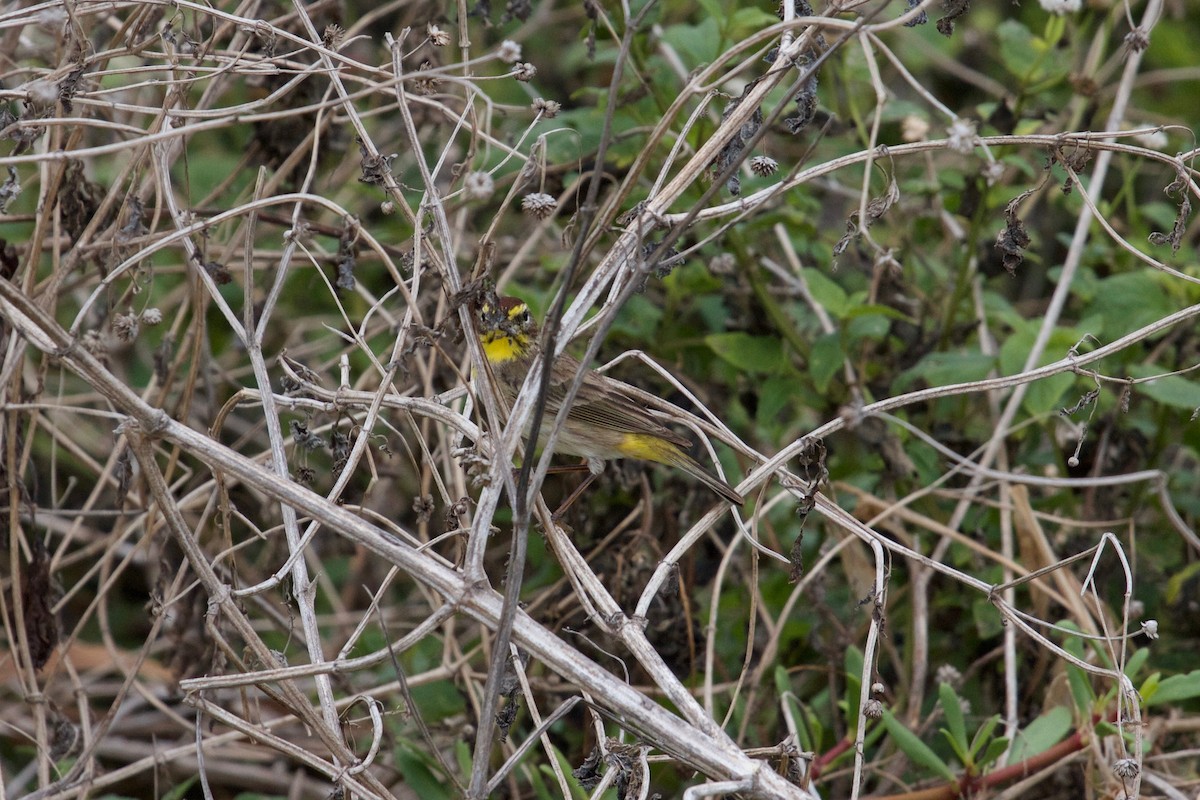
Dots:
pixel 697 470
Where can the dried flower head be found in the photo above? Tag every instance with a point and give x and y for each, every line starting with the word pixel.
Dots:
pixel 152 316
pixel 423 507
pixel 547 108
pixel 948 674
pixel 93 343
pixel 914 128
pixel 437 36
pixel 478 185
pixel 425 82
pixel 125 327
pixel 1126 768
pixel 524 71
pixel 333 35
pixel 722 264
pixel 873 709
pixel 40 95
pixel 961 135
pixel 509 52
pixel 538 204
pixel 762 166
pixel 993 172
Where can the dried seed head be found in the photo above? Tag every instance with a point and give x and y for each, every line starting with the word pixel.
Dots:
pixel 40 94
pixel 478 185
pixel 1126 768
pixel 333 35
pixel 722 264
pixel 993 172
pixel 762 166
pixel 948 674
pixel 873 710
pixel 93 343
pixel 961 136
pixel 538 204
pixel 125 327
pixel 509 52
pixel 547 108
pixel 437 36
pixel 914 128
pixel 524 71
pixel 152 316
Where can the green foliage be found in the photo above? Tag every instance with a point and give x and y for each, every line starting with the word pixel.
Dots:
pixel 1041 734
pixel 790 310
pixel 1158 691
pixel 911 745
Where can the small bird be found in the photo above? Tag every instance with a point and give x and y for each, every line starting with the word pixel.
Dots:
pixel 604 422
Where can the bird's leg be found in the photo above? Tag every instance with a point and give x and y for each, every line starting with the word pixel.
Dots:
pixel 561 468
pixel 556 470
pixel 585 483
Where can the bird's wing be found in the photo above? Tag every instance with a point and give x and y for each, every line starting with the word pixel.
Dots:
pixel 604 403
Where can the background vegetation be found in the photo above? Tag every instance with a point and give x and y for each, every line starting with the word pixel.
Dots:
pixel 921 281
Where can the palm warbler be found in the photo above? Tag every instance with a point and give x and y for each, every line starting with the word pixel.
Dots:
pixel 604 422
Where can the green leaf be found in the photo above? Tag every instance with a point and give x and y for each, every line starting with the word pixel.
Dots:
pixel 1170 390
pixel 763 354
pixel 952 711
pixel 639 319
pixel 1045 395
pixel 1081 689
pixel 1041 734
pixel 1149 688
pixel 854 664
pixel 983 736
pixel 943 368
pixel 1017 48
pixel 1136 661
pixel 1181 579
pixel 987 620
pixel 827 293
pixel 1028 57
pixel 912 746
pixel 995 749
pixel 825 360
pixel 419 778
pixel 868 326
pixel 1176 688
pixel 180 790
pixel 1128 301
pixel 777 394
pixel 748 19
pixel 876 310
pixel 696 43
pixel 783 682
pixel 854 668
pixel 811 733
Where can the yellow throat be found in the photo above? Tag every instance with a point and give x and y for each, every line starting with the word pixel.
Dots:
pixel 499 347
pixel 507 342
